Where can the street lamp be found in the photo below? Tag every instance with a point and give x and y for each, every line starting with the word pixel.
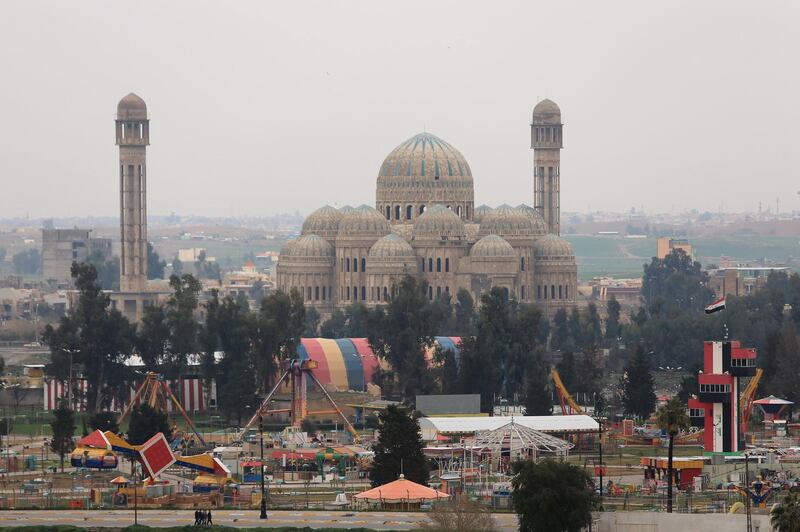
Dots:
pixel 263 498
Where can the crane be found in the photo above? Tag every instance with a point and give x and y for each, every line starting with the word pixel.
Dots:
pixel 747 398
pixel 568 404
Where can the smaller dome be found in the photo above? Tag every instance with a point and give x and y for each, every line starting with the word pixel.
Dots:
pixel 286 250
pixel 391 246
pixel 311 246
pixel 363 221
pixel 546 113
pixel 482 211
pixel 508 221
pixel 437 222
pixel 323 222
pixel 552 247
pixel 527 209
pixel 131 106
pixel 492 246
pixel 345 209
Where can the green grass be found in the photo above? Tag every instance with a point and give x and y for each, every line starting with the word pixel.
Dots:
pixel 616 256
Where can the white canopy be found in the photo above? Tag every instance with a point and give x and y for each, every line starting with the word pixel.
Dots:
pixel 431 426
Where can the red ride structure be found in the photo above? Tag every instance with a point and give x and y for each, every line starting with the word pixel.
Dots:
pixel 716 408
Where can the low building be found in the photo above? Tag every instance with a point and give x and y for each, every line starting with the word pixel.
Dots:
pixel 62 247
pixel 665 246
pixel 741 280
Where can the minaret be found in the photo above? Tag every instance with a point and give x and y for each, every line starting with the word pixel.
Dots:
pixel 547 142
pixel 133 136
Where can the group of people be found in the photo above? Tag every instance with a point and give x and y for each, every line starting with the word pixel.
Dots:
pixel 202 517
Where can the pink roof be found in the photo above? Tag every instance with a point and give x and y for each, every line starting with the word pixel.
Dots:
pixel 401 489
pixel 772 400
pixel 96 440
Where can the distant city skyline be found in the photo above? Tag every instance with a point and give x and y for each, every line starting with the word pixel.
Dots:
pixel 261 108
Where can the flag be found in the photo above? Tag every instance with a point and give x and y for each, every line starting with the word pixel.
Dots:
pixel 716 306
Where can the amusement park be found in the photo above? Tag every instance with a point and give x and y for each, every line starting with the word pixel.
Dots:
pixel 310 445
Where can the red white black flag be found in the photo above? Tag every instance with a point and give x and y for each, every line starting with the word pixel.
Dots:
pixel 716 306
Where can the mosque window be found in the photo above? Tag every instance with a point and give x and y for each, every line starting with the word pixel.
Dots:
pixel 523 291
pixel 323 292
pixel 355 264
pixel 522 264
pixel 347 261
pixel 552 291
pixel 341 265
pixel 438 264
pixel 438 291
pixel 458 210
pixel 397 212
pixel 388 213
pixel 560 295
pixel 436 169
pixel 385 293
pixel 545 291
pixel 421 209
pixel 538 291
pixel 409 210
pixel 363 264
pixel 363 293
pixel 430 264
pixel 308 291
pixel 316 293
pixel 430 292
pixel 423 264
pixel 566 292
pixel 408 170
pixel 355 293
pixel 536 133
pixel 447 264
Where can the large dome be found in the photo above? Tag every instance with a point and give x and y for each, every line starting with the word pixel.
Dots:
pixel 424 171
pixel 552 247
pixel 311 246
pixel 492 246
pixel 437 222
pixel 508 221
pixel 363 221
pixel 131 107
pixel 323 222
pixel 425 156
pixel 391 246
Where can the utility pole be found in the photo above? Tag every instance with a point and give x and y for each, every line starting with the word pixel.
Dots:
pixel 747 492
pixel 263 498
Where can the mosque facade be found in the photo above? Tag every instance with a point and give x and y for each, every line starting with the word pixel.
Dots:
pixel 425 224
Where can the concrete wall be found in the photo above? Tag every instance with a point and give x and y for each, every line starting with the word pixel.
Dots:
pixel 664 522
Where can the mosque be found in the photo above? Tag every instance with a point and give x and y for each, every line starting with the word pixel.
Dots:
pixel 425 224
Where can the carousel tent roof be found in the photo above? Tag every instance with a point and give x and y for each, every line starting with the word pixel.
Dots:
pixel 515 437
pixel 401 490
pixel 772 400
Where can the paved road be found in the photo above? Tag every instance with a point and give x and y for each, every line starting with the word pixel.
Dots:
pixel 235 518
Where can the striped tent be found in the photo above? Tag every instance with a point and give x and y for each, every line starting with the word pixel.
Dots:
pixel 349 363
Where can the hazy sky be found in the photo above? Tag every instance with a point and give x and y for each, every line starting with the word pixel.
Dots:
pixel 264 107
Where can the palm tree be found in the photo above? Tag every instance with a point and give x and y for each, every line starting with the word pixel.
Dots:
pixel 672 418
pixel 786 515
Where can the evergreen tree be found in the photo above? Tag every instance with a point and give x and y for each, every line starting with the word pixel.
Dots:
pixel 104 421
pixel 401 334
pixel 672 418
pixel 559 340
pixel 575 330
pixel 145 423
pixel 464 313
pixel 566 370
pixel 638 395
pixel 551 496
pixel 398 449
pixel 183 326
pixel 538 397
pixel 784 382
pixel 311 323
pixel 589 374
pixel 276 333
pixel 63 428
pixel 236 378
pixel 592 330
pixel 155 266
pixel 335 326
pixel 152 338
pixel 93 336
pixel 612 321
